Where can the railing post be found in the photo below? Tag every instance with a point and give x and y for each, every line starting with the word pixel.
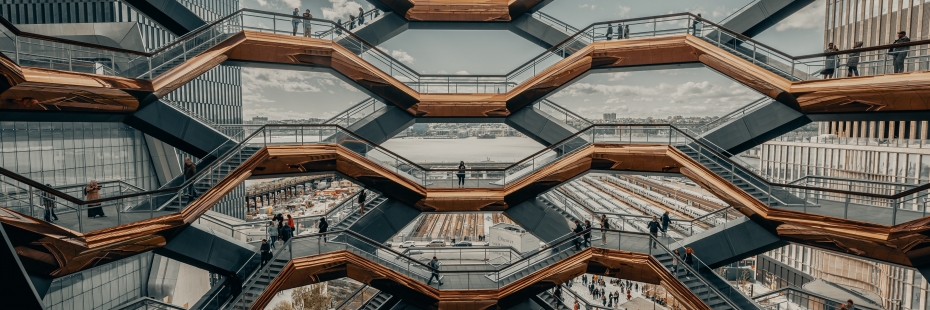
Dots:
pixel 16 43
pixel 32 206
pixel 152 205
pixel 119 212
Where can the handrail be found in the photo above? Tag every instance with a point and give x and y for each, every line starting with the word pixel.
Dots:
pixel 222 158
pixel 740 10
pixel 727 117
pixel 698 274
pixel 350 297
pixel 251 278
pixel 145 300
pixel 371 47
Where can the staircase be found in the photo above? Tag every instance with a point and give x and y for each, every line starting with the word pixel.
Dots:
pixel 201 187
pixel 740 177
pixel 566 250
pixel 747 54
pixel 377 302
pixel 259 282
pixel 556 207
pixel 178 58
pixel 548 301
pixel 702 290
pixel 372 203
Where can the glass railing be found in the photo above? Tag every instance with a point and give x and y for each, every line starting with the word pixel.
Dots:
pixel 743 111
pixel 189 113
pixel 556 23
pixel 562 114
pixel 356 113
pixel 357 298
pixel 814 138
pixel 366 18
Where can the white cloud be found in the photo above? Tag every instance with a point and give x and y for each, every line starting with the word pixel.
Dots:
pixel 279 3
pixel 623 11
pixel 619 76
pixel 402 56
pixel 461 72
pixel 588 6
pixel 341 9
pixel 810 17
pixel 257 80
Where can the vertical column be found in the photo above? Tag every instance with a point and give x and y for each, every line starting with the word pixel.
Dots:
pixel 872 130
pixel 820 128
pixel 855 130
pixel 833 127
pixel 912 135
pixel 901 126
pixel 881 129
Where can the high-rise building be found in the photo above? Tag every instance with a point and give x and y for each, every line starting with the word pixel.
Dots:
pixel 68 153
pixel 610 116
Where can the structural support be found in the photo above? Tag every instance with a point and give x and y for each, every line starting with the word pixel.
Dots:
pixel 544 222
pixel 759 125
pixel 18 285
pixel 385 221
pixel 762 14
pixel 170 14
pixel 201 247
pixel 539 126
pixel 166 123
pixel 383 124
pixel 164 159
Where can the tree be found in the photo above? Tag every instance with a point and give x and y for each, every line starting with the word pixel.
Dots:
pixel 310 297
pixel 283 305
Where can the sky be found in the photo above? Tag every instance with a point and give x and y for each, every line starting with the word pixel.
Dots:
pixel 280 94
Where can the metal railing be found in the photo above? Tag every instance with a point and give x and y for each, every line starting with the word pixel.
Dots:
pixel 147 303
pixel 355 113
pixel 752 106
pixel 566 116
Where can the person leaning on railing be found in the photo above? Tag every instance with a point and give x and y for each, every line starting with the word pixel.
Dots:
pixel 852 63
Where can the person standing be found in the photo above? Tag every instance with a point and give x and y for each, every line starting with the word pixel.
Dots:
pixel 852 64
pixel 339 27
pixel 577 231
pixel 461 174
pixel 654 231
pixel 290 222
pixel 272 233
pixel 361 16
pixel 92 192
pixel 361 202
pixel 587 233
pixel 434 271
pixel 675 261
pixel 696 25
pixel 605 224
pixel 266 252
pixel 189 171
pixel 323 227
pixel 49 201
pixel 619 31
pixel 626 31
pixel 575 307
pixel 307 23
pixel 665 221
pixel 898 54
pixel 286 234
pixel 610 32
pixel 689 257
pixel 351 22
pixel 296 20
pixel 850 305
pixel 829 64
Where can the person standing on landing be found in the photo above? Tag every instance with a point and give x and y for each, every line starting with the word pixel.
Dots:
pixel 461 174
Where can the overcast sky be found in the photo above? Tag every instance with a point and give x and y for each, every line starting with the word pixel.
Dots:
pixel 688 92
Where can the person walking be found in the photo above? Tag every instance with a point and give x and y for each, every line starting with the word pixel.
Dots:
pixel 323 227
pixel 610 32
pixel 361 16
pixel 852 64
pixel 295 21
pixel 576 307
pixel 48 200
pixel 272 233
pixel 587 233
pixel 307 23
pixel 654 231
pixel 189 171
pixel 290 222
pixel 665 221
pixel 434 271
pixel 605 224
pixel 829 64
pixel 675 261
pixel 361 202
pixel 898 54
pixel 265 252
pixel 92 192
pixel 461 174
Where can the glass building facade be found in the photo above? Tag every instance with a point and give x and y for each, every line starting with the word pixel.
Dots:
pixel 62 153
pixel 103 287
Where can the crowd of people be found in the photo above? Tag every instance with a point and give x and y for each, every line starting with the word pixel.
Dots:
pixel 306 20
pixel 599 287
